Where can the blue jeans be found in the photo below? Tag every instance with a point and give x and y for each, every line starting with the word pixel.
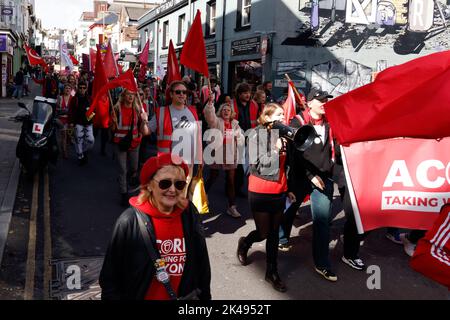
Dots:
pixel 18 91
pixel 321 204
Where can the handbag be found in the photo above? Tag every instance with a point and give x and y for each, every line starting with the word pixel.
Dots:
pixel 198 192
pixel 125 142
pixel 161 274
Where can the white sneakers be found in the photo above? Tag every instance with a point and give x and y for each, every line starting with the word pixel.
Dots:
pixel 232 211
pixel 407 245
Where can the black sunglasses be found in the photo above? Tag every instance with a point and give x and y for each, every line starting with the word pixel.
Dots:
pixel 166 184
pixel 82 88
pixel 180 91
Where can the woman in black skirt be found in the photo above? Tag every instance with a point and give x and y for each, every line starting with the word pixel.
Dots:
pixel 267 188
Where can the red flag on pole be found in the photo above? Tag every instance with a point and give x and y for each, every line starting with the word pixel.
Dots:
pixel 143 57
pixel 101 105
pixel 289 105
pixel 34 59
pixel 193 54
pixel 407 100
pixel 109 62
pixel 125 80
pixel 74 60
pixel 173 69
pixel 92 58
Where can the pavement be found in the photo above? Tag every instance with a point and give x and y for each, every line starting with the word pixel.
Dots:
pixel 9 165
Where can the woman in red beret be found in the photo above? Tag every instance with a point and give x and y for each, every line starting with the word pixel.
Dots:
pixel 158 250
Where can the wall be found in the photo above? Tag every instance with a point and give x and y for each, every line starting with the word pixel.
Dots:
pixel 339 47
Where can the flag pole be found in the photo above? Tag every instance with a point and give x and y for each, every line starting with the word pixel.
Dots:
pixel 296 92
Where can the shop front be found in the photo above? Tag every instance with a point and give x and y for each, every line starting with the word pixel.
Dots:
pixel 245 64
pixel 6 53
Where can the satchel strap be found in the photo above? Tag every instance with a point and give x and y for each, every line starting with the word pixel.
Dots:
pixel 145 229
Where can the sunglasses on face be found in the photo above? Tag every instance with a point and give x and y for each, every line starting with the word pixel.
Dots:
pixel 82 88
pixel 180 92
pixel 166 184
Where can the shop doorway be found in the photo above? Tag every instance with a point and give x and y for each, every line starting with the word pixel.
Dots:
pixel 249 71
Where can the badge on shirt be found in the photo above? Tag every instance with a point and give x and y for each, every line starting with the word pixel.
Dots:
pixel 317 140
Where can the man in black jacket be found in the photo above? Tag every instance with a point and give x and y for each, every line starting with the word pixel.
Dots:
pixel 83 127
pixel 311 172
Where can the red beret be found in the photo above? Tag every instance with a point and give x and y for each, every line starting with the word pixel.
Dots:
pixel 155 163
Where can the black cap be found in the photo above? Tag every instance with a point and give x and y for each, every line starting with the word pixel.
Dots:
pixel 318 94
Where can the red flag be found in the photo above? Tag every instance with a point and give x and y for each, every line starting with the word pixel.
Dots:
pixel 92 56
pixel 125 80
pixel 143 57
pixel 142 72
pixel 173 70
pixel 74 60
pixel 109 62
pixel 404 101
pixel 101 105
pixel 34 59
pixel 289 105
pixel 193 54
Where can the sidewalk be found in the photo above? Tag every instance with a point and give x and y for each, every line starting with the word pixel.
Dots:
pixel 9 165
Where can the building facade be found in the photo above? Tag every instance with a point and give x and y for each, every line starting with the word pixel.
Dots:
pixel 337 45
pixel 17 25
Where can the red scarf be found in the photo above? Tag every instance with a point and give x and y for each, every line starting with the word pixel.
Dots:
pixel 318 122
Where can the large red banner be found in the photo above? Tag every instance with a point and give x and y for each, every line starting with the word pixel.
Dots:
pixel 398 182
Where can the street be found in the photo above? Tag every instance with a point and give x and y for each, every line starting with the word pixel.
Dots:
pixel 62 221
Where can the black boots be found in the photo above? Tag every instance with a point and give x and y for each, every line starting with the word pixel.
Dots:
pixel 242 251
pixel 273 278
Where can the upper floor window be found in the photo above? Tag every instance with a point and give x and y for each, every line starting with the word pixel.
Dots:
pixel 181 28
pixel 246 6
pixel 211 18
pixel 243 14
pixel 165 34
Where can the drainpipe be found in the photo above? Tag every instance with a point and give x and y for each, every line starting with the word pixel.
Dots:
pixel 222 76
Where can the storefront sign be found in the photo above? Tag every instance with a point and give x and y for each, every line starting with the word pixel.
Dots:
pixel 264 48
pixel 246 46
pixel 211 51
pixel 7 11
pixel 283 83
pixel 3 42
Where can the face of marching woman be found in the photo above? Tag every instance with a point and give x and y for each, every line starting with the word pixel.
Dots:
pixel 179 95
pixel 278 115
pixel 67 90
pixel 167 188
pixel 317 108
pixel 129 98
pixel 226 113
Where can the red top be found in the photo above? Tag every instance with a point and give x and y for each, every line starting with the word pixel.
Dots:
pixel 126 114
pixel 259 185
pixel 171 245
pixel 228 132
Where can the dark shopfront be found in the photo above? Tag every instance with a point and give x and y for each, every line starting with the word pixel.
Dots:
pixel 245 70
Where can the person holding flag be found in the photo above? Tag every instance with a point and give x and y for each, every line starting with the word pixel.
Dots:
pixel 128 120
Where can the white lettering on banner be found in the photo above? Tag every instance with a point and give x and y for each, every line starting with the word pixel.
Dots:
pixel 399 173
pixel 403 177
pixel 414 200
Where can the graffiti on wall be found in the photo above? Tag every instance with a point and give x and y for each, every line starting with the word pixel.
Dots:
pixel 408 26
pixel 343 75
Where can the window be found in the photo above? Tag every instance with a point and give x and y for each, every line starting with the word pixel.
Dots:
pixel 165 34
pixel 243 14
pixel 211 18
pixel 246 6
pixel 181 28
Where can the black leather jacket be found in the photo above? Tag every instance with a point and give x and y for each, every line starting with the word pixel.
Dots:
pixel 128 270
